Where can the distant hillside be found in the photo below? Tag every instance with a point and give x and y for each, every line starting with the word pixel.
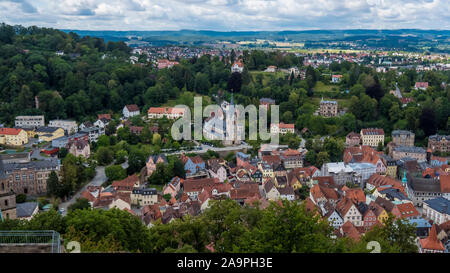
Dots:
pixel 398 39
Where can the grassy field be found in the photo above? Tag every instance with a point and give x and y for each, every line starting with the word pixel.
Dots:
pixel 320 86
pixel 157 187
pixel 267 76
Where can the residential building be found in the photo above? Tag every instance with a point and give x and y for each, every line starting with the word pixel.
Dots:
pixel 421 86
pixel 403 138
pixel 29 121
pixel 153 160
pixel 142 196
pixel 352 139
pixel 193 187
pixel 372 136
pixel 237 66
pixel 336 78
pixel 439 143
pixel 287 193
pixel 167 112
pixel 417 153
pixel 328 108
pixel 164 63
pixel 93 133
pixel 49 133
pixel 173 187
pixel 282 128
pixel 437 210
pixel 349 212
pixel 70 126
pixel 217 170
pixel 431 244
pixel 13 136
pixel 292 159
pixel 391 165
pixel 79 147
pixel 130 110
pixel 271 191
pixel 266 102
pixel 193 165
pixel 27 210
pixel 271 68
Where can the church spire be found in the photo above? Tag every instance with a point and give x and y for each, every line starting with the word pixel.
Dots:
pixel 404 179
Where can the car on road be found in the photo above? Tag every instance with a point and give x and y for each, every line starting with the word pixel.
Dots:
pixel 61 210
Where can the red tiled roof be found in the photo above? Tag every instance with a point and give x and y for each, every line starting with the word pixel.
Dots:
pixel 132 107
pixel 10 131
pixel 372 131
pixel 106 116
pixel 126 184
pixel 432 242
pixel 350 231
pixel 445 183
pixel 407 210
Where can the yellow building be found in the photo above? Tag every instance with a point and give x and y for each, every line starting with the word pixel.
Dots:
pixel 391 171
pixel 49 133
pixel 31 132
pixel 13 136
pixel 372 136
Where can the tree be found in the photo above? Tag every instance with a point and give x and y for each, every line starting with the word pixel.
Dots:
pixel 235 82
pixel 80 203
pixel 104 156
pixel 428 121
pixel 136 161
pixel 54 188
pixel 103 141
pixel 115 172
pixel 322 157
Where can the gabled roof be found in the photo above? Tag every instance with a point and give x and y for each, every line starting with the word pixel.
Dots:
pixel 350 231
pixel 344 205
pixel 432 242
pixel 408 210
pixel 10 131
pixel 132 107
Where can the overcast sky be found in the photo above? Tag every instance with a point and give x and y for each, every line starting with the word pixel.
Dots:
pixel 227 14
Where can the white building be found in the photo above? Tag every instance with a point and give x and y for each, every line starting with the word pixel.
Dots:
pixel 237 67
pixel 130 110
pixel 70 126
pixel 437 210
pixel 29 121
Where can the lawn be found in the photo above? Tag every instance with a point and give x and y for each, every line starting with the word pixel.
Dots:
pixel 267 76
pixel 321 87
pixel 159 188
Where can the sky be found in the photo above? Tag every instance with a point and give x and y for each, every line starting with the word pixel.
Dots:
pixel 227 15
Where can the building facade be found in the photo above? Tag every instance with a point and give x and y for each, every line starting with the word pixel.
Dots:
pixel 439 143
pixel 13 136
pixel 30 178
pixel 372 136
pixel 70 126
pixel 328 108
pixel 29 121
pixel 403 138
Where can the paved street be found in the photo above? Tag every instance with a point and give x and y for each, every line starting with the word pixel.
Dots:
pixel 98 180
pixel 205 148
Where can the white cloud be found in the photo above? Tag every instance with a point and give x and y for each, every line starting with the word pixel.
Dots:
pixel 227 14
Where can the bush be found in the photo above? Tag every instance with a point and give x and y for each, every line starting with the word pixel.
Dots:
pixel 21 198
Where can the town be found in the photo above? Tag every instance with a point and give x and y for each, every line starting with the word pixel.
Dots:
pixel 364 137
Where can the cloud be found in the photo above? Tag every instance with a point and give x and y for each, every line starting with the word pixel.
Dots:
pixel 228 14
pixel 25 6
